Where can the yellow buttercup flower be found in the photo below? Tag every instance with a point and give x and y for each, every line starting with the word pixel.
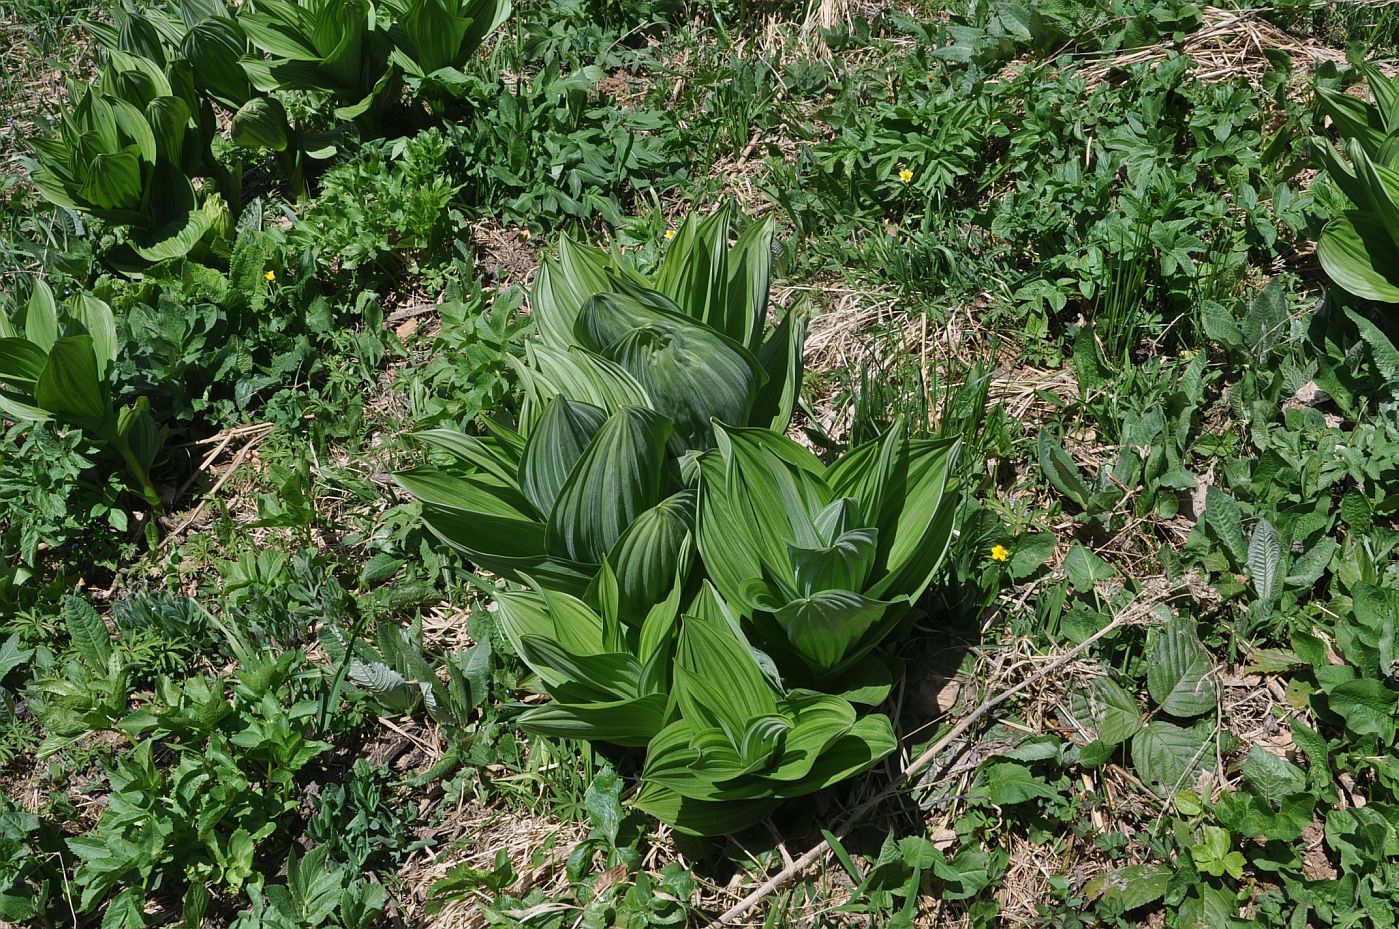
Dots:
pixel 999 553
pixel 669 234
pixel 905 175
pixel 270 276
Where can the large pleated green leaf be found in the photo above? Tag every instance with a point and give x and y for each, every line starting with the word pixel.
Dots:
pixel 168 118
pixel 695 274
pixel 825 626
pixel 818 722
pixel 845 564
pixel 41 316
pixel 1357 252
pixel 618 476
pixel 496 455
pixel 699 818
pixel 647 556
pixel 717 682
pixel 70 386
pixel 562 286
pixel 434 31
pixel 215 45
pixel 690 373
pixel 781 358
pixel 113 180
pixel 21 363
pixel 554 447
pixel 97 319
pixel 630 723
pixel 750 278
pixel 547 614
pixel 581 376
pixel 591 678
pixel 753 508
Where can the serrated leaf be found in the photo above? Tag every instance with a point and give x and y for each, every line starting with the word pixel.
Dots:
pixel 1224 519
pixel 87 633
pixel 1169 757
pixel 1264 559
pixel 1180 676
pixel 1131 887
pixel 1273 778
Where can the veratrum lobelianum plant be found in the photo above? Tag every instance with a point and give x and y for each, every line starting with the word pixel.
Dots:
pixel 57 366
pixel 125 152
pixel 1359 248
pixel 434 41
pixel 622 382
pixel 824 562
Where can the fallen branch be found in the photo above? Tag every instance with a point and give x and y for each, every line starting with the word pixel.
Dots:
pixel 861 813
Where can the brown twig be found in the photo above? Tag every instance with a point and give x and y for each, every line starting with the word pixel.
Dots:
pixel 223 479
pixel 862 812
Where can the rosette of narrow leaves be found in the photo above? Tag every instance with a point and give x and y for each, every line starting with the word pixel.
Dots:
pixel 58 367
pixel 694 342
pixel 331 46
pixel 121 154
pixel 1359 248
pixel 741 742
pixel 826 561
pixel 434 40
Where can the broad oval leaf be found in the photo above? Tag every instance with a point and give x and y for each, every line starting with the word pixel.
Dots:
pixel 618 476
pixel 1180 676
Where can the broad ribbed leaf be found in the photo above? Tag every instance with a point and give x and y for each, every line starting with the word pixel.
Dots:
pixel 583 678
pixel 276 36
pixel 113 181
pixel 695 274
pixel 135 127
pixel 578 375
pixel 781 359
pixel 96 317
pixel 750 276
pixel 215 46
pixel 630 723
pixel 1264 559
pixel 845 564
pixel 434 32
pixel 496 455
pixel 1357 252
pixel 647 556
pixel 618 476
pixel 172 239
pixel 825 626
pixel 554 447
pixel 552 616
pixel 168 118
pixel 717 682
pixel 261 125
pixel 21 363
pixel 1169 757
pixel 41 316
pixel 70 386
pixel 562 286
pixel 818 722
pixel 700 818
pixel 691 373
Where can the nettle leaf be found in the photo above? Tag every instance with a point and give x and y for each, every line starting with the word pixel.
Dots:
pixel 1272 777
pixel 1061 471
pixel 1113 711
pixel 1006 783
pixel 1367 706
pixel 1180 676
pixel 1169 757
pixel 1085 569
pixel 1132 887
pixel 1264 559
pixel 1223 517
pixel 87 632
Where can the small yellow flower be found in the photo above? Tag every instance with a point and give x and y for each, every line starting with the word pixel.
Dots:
pixel 905 175
pixel 669 234
pixel 999 553
pixel 270 276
